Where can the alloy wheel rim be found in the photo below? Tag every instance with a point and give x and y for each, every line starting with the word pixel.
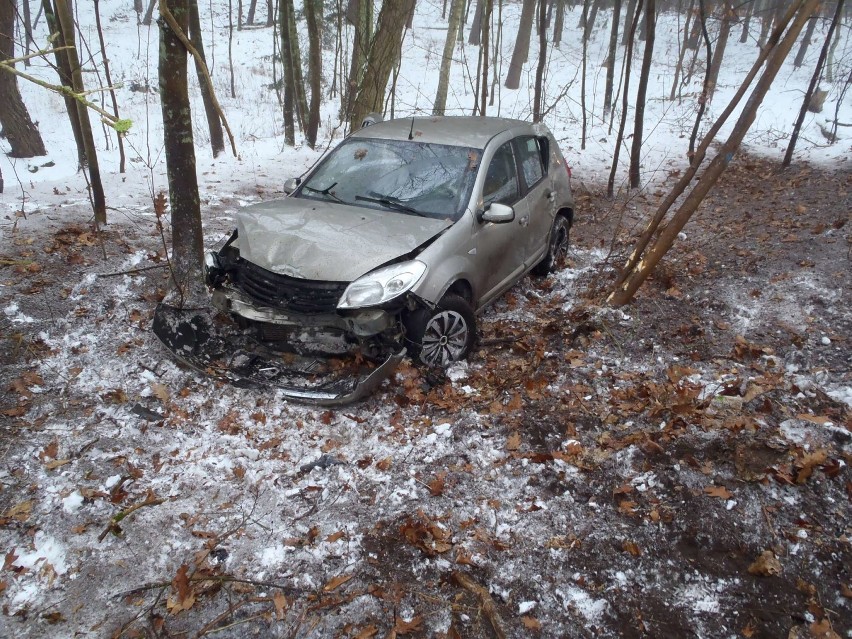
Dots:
pixel 444 339
pixel 560 245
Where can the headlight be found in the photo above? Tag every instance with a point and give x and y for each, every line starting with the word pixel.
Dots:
pixel 382 285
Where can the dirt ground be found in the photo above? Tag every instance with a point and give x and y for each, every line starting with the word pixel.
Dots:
pixel 678 467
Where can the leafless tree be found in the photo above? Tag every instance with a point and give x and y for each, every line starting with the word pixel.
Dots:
pixel 522 45
pixel 642 90
pixel 447 59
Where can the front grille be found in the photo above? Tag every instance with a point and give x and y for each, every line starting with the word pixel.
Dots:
pixel 290 293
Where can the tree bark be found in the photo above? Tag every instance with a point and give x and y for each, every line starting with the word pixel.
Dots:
pixel 360 15
pixel 631 10
pixel 639 122
pixel 486 34
pixel 475 37
pixel 806 40
pixel 66 20
pixel 682 52
pixel 522 45
pixel 63 69
pixel 313 18
pixel 538 101
pixel 823 54
pixel 610 58
pixel 447 59
pixel 17 126
pixel 559 23
pixel 287 70
pixel 721 44
pixel 214 124
pixel 187 239
pixel 624 292
pixel 383 56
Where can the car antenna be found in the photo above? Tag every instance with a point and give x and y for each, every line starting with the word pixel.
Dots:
pixel 411 131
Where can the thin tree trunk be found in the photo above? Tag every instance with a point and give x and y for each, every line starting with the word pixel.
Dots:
pixel 475 37
pixel 522 45
pixel 300 100
pixel 538 103
pixel 18 128
pixel 823 54
pixel 639 122
pixel 830 65
pixel 583 64
pixel 610 58
pixel 66 19
pixel 447 59
pixel 682 52
pixel 721 45
pixel 628 56
pixel 625 290
pixel 806 40
pixel 486 34
pixel 231 46
pixel 28 28
pixel 747 21
pixel 631 10
pixel 214 124
pixel 122 159
pixel 704 98
pixel 313 18
pixel 149 13
pixel 360 15
pixel 559 23
pixel 766 19
pixel 287 72
pixel 252 8
pixel 187 237
pixel 383 56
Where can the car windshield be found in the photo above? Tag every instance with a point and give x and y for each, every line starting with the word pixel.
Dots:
pixel 407 177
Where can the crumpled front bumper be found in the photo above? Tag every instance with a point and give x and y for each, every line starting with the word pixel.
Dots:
pixel 212 345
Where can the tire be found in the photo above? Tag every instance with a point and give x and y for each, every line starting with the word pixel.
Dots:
pixel 557 247
pixel 443 335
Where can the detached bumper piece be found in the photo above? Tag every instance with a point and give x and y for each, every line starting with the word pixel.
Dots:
pixel 205 341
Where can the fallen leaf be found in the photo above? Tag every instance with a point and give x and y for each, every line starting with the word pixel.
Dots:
pixel 161 392
pixel 718 491
pixel 336 582
pixel 436 486
pixel 56 463
pixel 384 464
pixel 632 547
pixel 514 441
pixel 280 603
pixel 368 631
pixel 50 451
pixel 767 565
pixel 403 627
pixel 814 419
pixel 20 512
pixel 335 536
pixel 823 630
pixel 530 623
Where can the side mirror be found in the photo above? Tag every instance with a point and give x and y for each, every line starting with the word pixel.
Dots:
pixel 498 213
pixel 291 185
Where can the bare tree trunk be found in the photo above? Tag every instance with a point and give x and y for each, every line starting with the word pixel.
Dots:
pixel 522 45
pixel 583 64
pixel 823 54
pixel 359 14
pixel 187 258
pixel 766 18
pixel 806 40
pixel 589 21
pixel 231 46
pixel 300 100
pixel 830 65
pixel 252 8
pixel 704 98
pixel 747 21
pixel 270 13
pixel 149 13
pixel 538 105
pixel 631 10
pixel 447 59
pixel 559 23
pixel 476 26
pixel 721 44
pixel 628 57
pixel 636 276
pixel 28 28
pixel 214 124
pixel 66 19
pixel 108 76
pixel 17 126
pixel 287 71
pixel 382 58
pixel 610 58
pixel 64 71
pixel 313 18
pixel 639 122
pixel 486 35
pixel 682 52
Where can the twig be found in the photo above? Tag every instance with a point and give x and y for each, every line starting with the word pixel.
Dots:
pixel 133 271
pixel 488 605
pixel 113 524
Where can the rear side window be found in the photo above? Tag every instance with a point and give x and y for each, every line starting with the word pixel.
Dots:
pixel 532 153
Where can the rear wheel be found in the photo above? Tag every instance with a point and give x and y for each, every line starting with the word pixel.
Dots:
pixel 557 249
pixel 443 335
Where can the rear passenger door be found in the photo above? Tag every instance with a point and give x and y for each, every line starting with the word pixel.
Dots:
pixel 533 155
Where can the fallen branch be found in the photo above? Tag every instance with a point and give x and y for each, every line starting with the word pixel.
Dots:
pixel 488 605
pixel 133 271
pixel 113 526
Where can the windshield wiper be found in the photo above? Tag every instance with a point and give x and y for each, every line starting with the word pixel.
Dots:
pixel 325 191
pixel 391 203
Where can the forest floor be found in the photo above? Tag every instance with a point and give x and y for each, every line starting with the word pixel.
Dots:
pixel 678 467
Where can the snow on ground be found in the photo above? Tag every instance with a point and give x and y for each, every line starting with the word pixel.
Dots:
pixel 298 498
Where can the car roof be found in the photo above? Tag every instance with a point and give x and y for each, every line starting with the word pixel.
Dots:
pixel 470 131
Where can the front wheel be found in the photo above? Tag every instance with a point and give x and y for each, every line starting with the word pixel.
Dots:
pixel 557 249
pixel 443 335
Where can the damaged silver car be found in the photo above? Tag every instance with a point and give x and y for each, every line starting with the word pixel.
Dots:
pixel 390 246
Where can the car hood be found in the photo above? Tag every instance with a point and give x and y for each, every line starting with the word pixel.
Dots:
pixel 318 240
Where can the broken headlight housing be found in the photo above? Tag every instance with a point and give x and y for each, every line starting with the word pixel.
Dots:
pixel 382 285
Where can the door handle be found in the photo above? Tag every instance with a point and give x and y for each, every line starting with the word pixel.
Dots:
pixel 550 195
pixel 524 220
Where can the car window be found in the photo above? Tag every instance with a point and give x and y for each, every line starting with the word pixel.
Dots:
pixel 501 179
pixel 530 152
pixel 398 176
